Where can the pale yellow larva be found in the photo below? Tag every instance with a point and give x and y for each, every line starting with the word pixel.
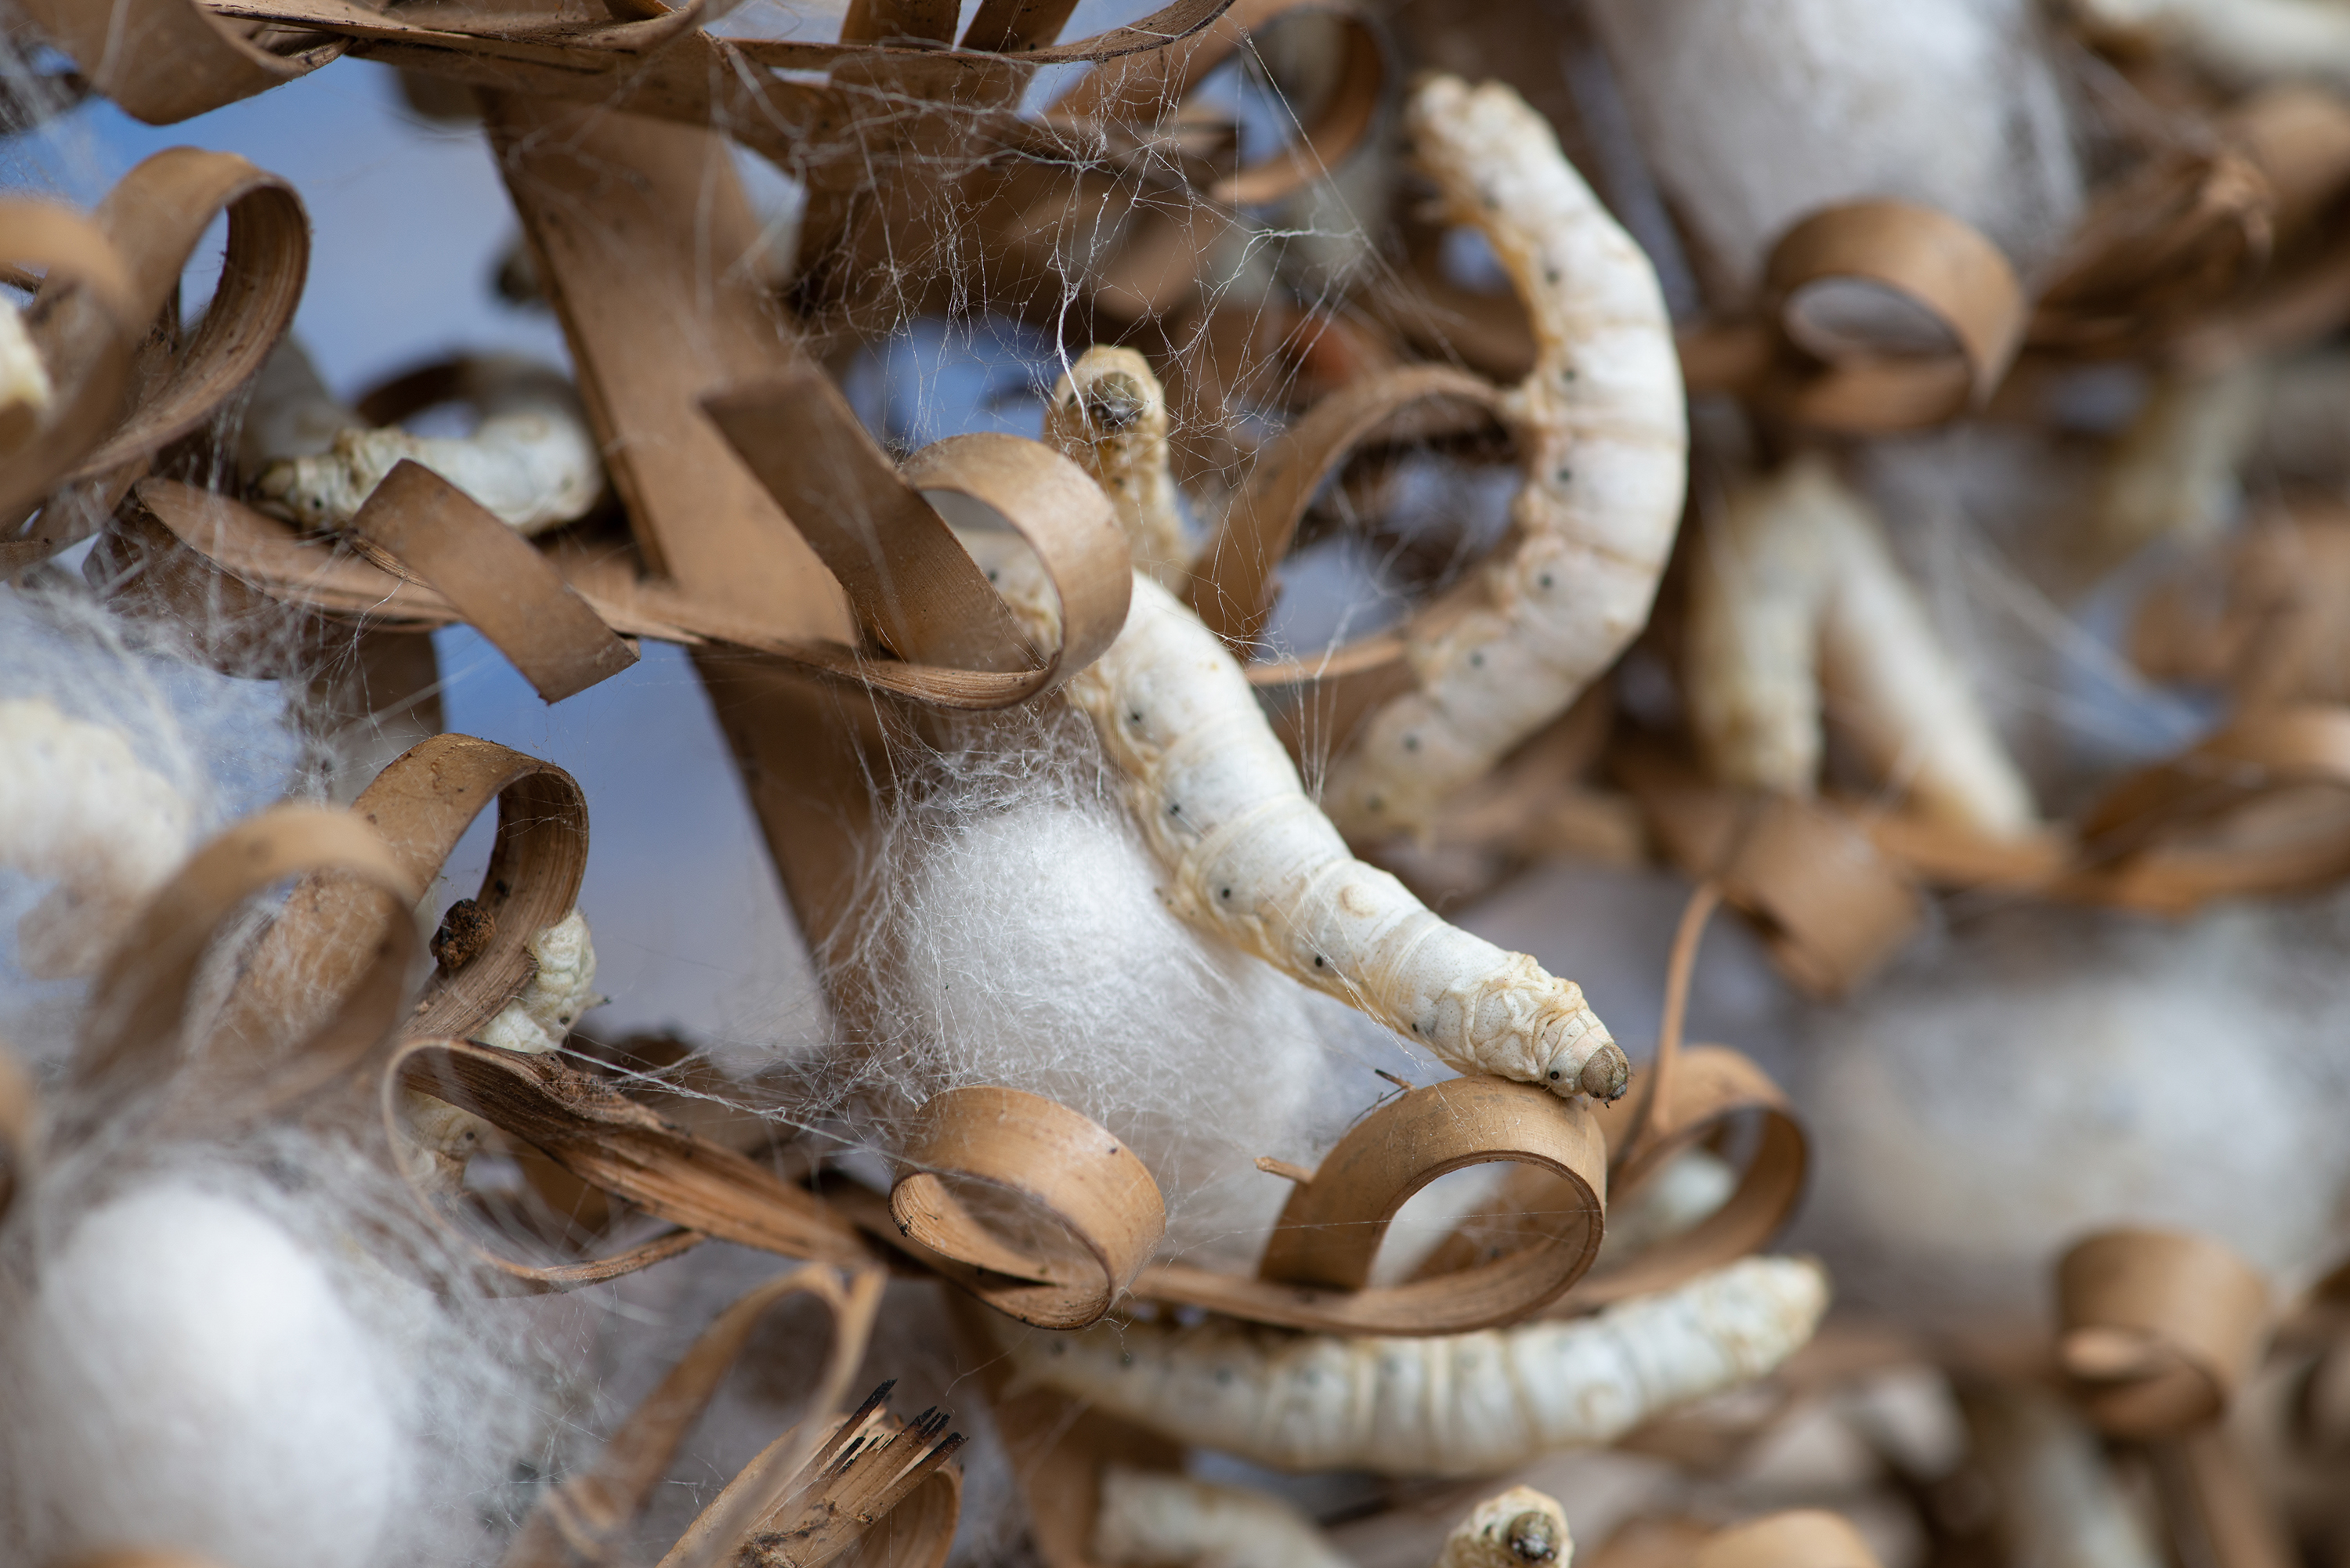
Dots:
pixel 1150 1518
pixel 1796 607
pixel 1110 413
pixel 1447 1405
pixel 1522 1528
pixel 2242 41
pixel 532 460
pixel 1602 431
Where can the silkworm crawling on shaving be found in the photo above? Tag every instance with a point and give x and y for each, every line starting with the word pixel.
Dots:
pixel 78 808
pixel 23 379
pixel 2245 41
pixel 1603 436
pixel 536 1020
pixel 1108 413
pixel 1796 605
pixel 1520 1529
pixel 1150 1518
pixel 533 461
pixel 1249 857
pixel 1451 1405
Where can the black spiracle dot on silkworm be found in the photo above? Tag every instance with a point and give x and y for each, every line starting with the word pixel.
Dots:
pixel 1542 581
pixel 1550 274
pixel 1317 961
pixel 1567 476
pixel 1477 661
pixel 1411 743
pixel 1224 893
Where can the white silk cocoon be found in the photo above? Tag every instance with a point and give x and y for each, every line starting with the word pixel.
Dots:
pixel 2047 1072
pixel 1756 112
pixel 212 1358
pixel 1015 936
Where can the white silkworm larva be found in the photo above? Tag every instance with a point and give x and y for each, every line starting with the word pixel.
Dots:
pixel 1522 1528
pixel 76 807
pixel 24 378
pixel 1151 1516
pixel 1109 414
pixel 2060 1505
pixel 1796 603
pixel 2246 41
pixel 536 1020
pixel 2172 474
pixel 1447 1405
pixel 1251 858
pixel 1603 437
pixel 533 459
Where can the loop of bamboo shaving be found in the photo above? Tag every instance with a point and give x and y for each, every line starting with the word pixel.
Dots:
pixel 2158 1328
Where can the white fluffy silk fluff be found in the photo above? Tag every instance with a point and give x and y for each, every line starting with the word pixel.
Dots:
pixel 2045 1073
pixel 1950 103
pixel 1015 935
pixel 204 1359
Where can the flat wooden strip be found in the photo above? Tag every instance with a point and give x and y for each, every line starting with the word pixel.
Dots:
pixel 648 247
pixel 610 1141
pixel 166 60
pixel 493 576
pixel 1063 1162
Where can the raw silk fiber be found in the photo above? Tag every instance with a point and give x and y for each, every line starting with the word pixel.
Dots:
pixel 236 1353
pixel 1015 935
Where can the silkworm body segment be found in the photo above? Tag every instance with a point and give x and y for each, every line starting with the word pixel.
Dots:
pixel 1603 437
pixel 1250 857
pixel 1451 1405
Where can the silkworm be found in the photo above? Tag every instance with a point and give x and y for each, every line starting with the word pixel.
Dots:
pixel 1150 1517
pixel 1108 413
pixel 1522 1528
pixel 2244 40
pixel 2172 474
pixel 1250 859
pixel 1796 605
pixel 1603 437
pixel 532 460
pixel 78 808
pixel 538 1019
pixel 2060 1504
pixel 1447 1405
pixel 24 378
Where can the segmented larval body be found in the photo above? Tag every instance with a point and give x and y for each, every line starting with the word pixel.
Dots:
pixel 1448 1404
pixel 532 460
pixel 1152 1517
pixel 1108 415
pixel 78 807
pixel 562 988
pixel 1250 857
pixel 1603 437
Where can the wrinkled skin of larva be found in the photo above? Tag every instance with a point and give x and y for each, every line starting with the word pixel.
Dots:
pixel 533 461
pixel 1152 1517
pixel 1603 436
pixel 1446 1404
pixel 1251 858
pixel 2244 42
pixel 1522 1528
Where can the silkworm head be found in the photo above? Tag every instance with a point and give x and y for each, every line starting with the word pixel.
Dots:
pixel 1606 1073
pixel 1532 1537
